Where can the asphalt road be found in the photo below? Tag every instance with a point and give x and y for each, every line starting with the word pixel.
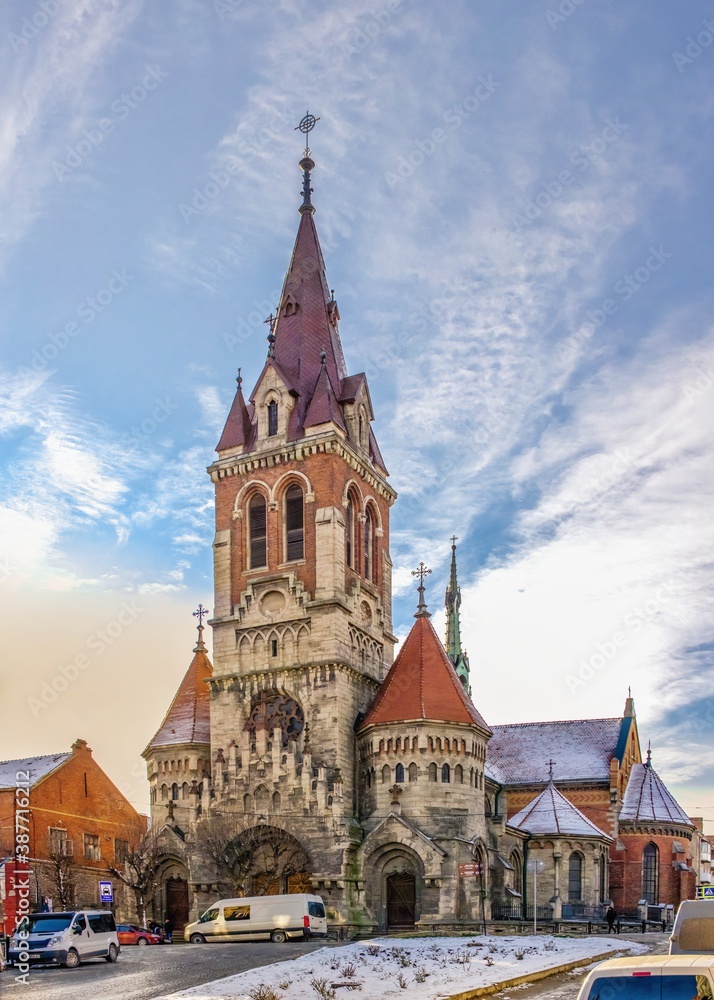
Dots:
pixel 146 973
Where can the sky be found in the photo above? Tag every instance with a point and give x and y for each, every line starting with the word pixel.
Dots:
pixel 515 207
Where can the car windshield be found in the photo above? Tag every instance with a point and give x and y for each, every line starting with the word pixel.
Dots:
pixel 646 987
pixel 209 915
pixel 44 923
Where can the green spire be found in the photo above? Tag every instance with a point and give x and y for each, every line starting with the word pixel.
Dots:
pixel 452 599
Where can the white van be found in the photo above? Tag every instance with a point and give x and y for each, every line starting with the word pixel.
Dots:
pixel 257 918
pixel 693 931
pixel 65 938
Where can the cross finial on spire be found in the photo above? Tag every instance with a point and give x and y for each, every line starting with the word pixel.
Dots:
pixel 306 163
pixel 421 571
pixel 200 613
pixel 454 540
pixel 239 377
pixel 648 762
pixel 550 764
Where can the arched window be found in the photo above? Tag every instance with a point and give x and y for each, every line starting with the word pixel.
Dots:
pixel 164 792
pixel 517 871
pixel 650 873
pixel 445 773
pixel 458 775
pixel 367 554
pixel 350 532
pixel 247 803
pixel 369 778
pixel 174 791
pixel 413 771
pixel 257 530
pixel 432 772
pixel 272 418
pixel 399 774
pixel 276 802
pixel 386 774
pixel 294 526
pixel 575 876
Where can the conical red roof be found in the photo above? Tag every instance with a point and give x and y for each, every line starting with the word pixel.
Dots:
pixel 238 429
pixel 422 684
pixel 188 718
pixel 303 328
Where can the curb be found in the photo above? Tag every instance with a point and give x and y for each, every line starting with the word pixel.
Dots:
pixel 533 977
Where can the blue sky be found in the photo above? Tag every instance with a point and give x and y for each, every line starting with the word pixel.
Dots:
pixel 515 205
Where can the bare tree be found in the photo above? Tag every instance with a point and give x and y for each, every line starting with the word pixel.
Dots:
pixel 140 871
pixel 60 872
pixel 248 858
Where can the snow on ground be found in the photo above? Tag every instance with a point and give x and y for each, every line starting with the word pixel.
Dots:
pixel 417 968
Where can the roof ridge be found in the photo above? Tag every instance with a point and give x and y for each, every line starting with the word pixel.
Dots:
pixel 553 722
pixel 39 756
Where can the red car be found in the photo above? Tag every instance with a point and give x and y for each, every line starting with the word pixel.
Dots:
pixel 131 934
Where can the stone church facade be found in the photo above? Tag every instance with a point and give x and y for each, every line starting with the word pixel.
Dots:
pixel 406 807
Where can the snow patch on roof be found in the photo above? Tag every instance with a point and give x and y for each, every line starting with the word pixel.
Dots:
pixel 38 768
pixel 550 813
pixel 581 748
pixel 647 800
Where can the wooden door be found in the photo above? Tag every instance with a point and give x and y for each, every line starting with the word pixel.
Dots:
pixel 401 899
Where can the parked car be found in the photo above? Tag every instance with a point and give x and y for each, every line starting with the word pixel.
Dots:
pixel 652 977
pixel 131 934
pixel 65 938
pixel 693 931
pixel 259 918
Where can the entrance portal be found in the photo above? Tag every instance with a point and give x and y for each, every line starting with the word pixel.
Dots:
pixel 177 903
pixel 401 899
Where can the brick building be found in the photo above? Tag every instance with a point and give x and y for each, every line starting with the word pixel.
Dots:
pixel 381 776
pixel 78 823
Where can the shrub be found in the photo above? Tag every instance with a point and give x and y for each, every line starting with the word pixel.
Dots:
pixel 323 989
pixel 263 993
pixel 402 981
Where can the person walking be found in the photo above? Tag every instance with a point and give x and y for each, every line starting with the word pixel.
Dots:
pixel 167 930
pixel 611 917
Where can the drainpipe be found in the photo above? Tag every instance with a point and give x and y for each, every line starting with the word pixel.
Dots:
pixel 524 875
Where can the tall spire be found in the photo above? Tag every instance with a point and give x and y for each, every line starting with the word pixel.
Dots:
pixel 452 600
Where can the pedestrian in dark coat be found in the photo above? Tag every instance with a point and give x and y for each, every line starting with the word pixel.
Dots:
pixel 167 929
pixel 611 917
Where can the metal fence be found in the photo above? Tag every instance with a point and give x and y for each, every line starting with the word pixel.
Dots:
pixel 514 909
pixel 581 911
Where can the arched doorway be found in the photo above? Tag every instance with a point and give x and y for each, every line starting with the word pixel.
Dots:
pixel 177 903
pixel 401 900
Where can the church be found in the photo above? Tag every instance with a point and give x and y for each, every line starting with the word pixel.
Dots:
pixel 306 757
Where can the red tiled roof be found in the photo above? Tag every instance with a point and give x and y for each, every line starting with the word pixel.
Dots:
pixel 302 333
pixel 238 429
pixel 188 718
pixel 323 405
pixel 422 684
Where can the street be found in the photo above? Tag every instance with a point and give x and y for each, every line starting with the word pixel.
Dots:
pixel 145 973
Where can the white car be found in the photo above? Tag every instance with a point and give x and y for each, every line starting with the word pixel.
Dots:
pixel 652 977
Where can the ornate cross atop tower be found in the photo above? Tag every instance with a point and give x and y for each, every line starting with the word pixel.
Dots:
pixel 550 764
pixel 421 571
pixel 307 164
pixel 200 613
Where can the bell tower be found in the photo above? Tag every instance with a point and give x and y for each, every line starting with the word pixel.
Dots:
pixel 303 578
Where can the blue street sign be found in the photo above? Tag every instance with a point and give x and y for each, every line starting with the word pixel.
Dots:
pixel 705 891
pixel 106 892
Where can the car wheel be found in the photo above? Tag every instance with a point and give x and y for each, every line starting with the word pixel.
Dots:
pixel 198 939
pixel 72 960
pixel 278 937
pixel 113 954
pixel 142 941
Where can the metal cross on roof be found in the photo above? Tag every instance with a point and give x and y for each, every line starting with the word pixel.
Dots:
pixel 201 613
pixel 550 765
pixel 454 540
pixel 421 571
pixel 307 124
